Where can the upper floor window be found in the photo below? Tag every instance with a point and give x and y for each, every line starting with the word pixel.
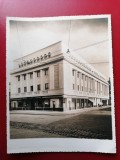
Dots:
pixel 31 75
pixel 38 73
pixel 73 72
pixel 18 78
pixel 38 87
pixel 78 87
pixel 19 90
pixel 25 89
pixel 46 86
pixel 78 74
pixel 24 76
pixel 82 76
pixel 46 72
pixel 73 86
pixel 82 88
pixel 31 88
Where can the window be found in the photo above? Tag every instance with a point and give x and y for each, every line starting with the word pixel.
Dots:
pixel 78 87
pixel 31 88
pixel 38 87
pixel 24 76
pixel 18 78
pixel 25 89
pixel 38 73
pixel 82 76
pixel 78 74
pixel 46 86
pixel 31 75
pixel 46 72
pixel 73 72
pixel 73 86
pixel 18 90
pixel 82 88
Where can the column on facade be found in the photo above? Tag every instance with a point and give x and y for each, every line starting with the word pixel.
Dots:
pixel 93 86
pixel 80 80
pixel 97 88
pixel 100 88
pixel 83 83
pixel 27 82
pixel 21 84
pixel 75 79
pixel 90 83
pixel 34 82
pixel 42 79
pixel 87 83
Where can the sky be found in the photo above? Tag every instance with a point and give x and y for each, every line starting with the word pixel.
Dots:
pixel 87 37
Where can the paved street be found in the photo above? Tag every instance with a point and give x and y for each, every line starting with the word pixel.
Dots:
pixel 85 123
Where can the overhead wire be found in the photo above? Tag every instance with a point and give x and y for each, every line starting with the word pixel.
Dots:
pixel 69 37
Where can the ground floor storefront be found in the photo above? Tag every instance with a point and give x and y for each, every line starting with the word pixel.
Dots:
pixel 55 103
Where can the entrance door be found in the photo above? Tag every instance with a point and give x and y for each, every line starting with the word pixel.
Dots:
pixel 33 105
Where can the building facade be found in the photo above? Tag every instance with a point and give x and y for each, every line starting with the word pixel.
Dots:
pixel 54 79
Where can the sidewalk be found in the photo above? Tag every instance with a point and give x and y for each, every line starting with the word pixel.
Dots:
pixel 56 113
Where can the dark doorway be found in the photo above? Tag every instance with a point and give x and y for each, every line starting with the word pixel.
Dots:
pixel 32 104
pixel 53 105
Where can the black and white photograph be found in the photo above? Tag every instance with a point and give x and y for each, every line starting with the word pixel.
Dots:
pixel 60 90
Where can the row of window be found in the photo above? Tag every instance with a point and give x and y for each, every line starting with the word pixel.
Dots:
pixel 91 90
pixel 31 74
pixel 89 80
pixel 84 65
pixel 31 88
pixel 82 75
pixel 78 74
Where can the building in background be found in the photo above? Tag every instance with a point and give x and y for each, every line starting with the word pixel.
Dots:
pixel 53 78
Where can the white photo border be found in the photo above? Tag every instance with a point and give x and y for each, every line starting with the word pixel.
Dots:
pixel 60 144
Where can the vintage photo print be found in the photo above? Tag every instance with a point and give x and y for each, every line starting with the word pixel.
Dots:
pixel 60 94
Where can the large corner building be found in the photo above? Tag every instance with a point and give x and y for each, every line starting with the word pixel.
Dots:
pixel 53 78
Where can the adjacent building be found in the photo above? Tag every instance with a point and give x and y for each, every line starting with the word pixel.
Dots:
pixel 53 78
